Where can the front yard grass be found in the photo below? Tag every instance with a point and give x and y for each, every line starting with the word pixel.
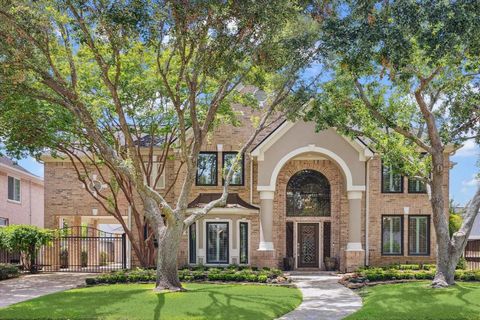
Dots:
pixel 416 300
pixel 139 301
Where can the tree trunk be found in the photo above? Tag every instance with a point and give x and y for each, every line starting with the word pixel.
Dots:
pixel 444 275
pixel 169 238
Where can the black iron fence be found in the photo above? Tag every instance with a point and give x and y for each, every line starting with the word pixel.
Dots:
pixel 78 249
pixel 472 254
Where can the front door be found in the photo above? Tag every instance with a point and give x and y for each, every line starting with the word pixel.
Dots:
pixel 307 248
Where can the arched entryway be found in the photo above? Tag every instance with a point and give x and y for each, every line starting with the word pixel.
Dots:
pixel 308 195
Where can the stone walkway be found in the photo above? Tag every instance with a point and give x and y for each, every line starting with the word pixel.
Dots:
pixel 35 285
pixel 323 298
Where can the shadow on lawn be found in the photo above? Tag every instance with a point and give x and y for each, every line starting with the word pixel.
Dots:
pixel 420 301
pixel 74 304
pixel 226 306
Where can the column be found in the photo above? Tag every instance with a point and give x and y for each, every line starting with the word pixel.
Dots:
pixel 266 221
pixel 354 254
pixel 355 221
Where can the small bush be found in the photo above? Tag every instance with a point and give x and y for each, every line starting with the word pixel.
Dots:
pixel 462 264
pixel 8 271
pixel 84 259
pixel 103 258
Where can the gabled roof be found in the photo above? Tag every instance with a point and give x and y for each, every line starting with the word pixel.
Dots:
pixel 285 126
pixel 14 166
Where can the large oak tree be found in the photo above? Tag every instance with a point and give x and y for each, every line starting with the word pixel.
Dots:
pixel 405 76
pixel 90 80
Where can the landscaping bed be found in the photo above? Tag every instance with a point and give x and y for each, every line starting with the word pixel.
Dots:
pixel 196 274
pixel 401 273
pixel 8 271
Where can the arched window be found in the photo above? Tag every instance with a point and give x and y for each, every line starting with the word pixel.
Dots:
pixel 308 194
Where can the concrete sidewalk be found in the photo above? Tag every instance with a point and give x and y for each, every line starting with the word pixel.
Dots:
pixel 31 286
pixel 323 298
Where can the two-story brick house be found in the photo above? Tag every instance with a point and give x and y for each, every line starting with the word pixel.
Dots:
pixel 300 198
pixel 21 195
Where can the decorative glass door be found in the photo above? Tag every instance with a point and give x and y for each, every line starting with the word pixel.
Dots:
pixel 307 246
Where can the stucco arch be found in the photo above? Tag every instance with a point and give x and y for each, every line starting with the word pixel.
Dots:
pixel 294 139
pixel 309 149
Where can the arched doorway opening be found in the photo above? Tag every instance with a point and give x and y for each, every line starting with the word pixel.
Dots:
pixel 308 212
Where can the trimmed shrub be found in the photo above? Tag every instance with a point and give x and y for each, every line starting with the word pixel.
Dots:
pixel 231 274
pixel 8 271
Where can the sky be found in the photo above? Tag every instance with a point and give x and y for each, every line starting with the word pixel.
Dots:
pixel 463 182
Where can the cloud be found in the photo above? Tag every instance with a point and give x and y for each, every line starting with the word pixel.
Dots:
pixel 470 148
pixel 468 184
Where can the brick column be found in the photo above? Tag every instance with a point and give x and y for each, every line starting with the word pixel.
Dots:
pixel 266 221
pixel 354 254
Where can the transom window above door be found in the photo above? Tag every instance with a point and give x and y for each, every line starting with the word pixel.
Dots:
pixel 308 194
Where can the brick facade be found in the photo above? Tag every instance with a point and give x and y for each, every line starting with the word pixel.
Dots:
pixel 65 196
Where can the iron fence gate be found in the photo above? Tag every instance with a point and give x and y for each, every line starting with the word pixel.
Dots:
pixel 472 254
pixel 79 249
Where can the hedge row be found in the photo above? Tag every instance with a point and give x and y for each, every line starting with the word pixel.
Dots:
pixel 380 274
pixel 188 275
pixel 8 271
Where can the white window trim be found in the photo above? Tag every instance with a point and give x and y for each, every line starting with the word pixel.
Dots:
pixel 243 220
pixel 205 234
pixel 20 189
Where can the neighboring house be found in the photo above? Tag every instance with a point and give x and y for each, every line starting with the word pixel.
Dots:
pixel 302 197
pixel 472 249
pixel 21 195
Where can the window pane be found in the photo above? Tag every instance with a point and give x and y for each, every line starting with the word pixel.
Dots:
pixel 243 242
pixel 192 243
pixel 217 242
pixel 416 186
pixel 391 181
pixel 17 190
pixel 3 222
pixel 237 178
pixel 392 235
pixel 308 194
pixel 207 169
pixel 418 237
pixel 10 188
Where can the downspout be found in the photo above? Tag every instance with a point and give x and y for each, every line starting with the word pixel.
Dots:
pixel 367 210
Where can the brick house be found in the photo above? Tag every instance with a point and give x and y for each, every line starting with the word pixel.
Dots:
pixel 21 195
pixel 301 198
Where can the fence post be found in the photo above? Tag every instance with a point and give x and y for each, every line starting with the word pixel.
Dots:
pixel 124 251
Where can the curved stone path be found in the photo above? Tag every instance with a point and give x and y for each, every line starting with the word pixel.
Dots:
pixel 323 297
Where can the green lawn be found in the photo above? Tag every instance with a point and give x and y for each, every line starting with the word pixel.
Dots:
pixel 416 300
pixel 138 301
